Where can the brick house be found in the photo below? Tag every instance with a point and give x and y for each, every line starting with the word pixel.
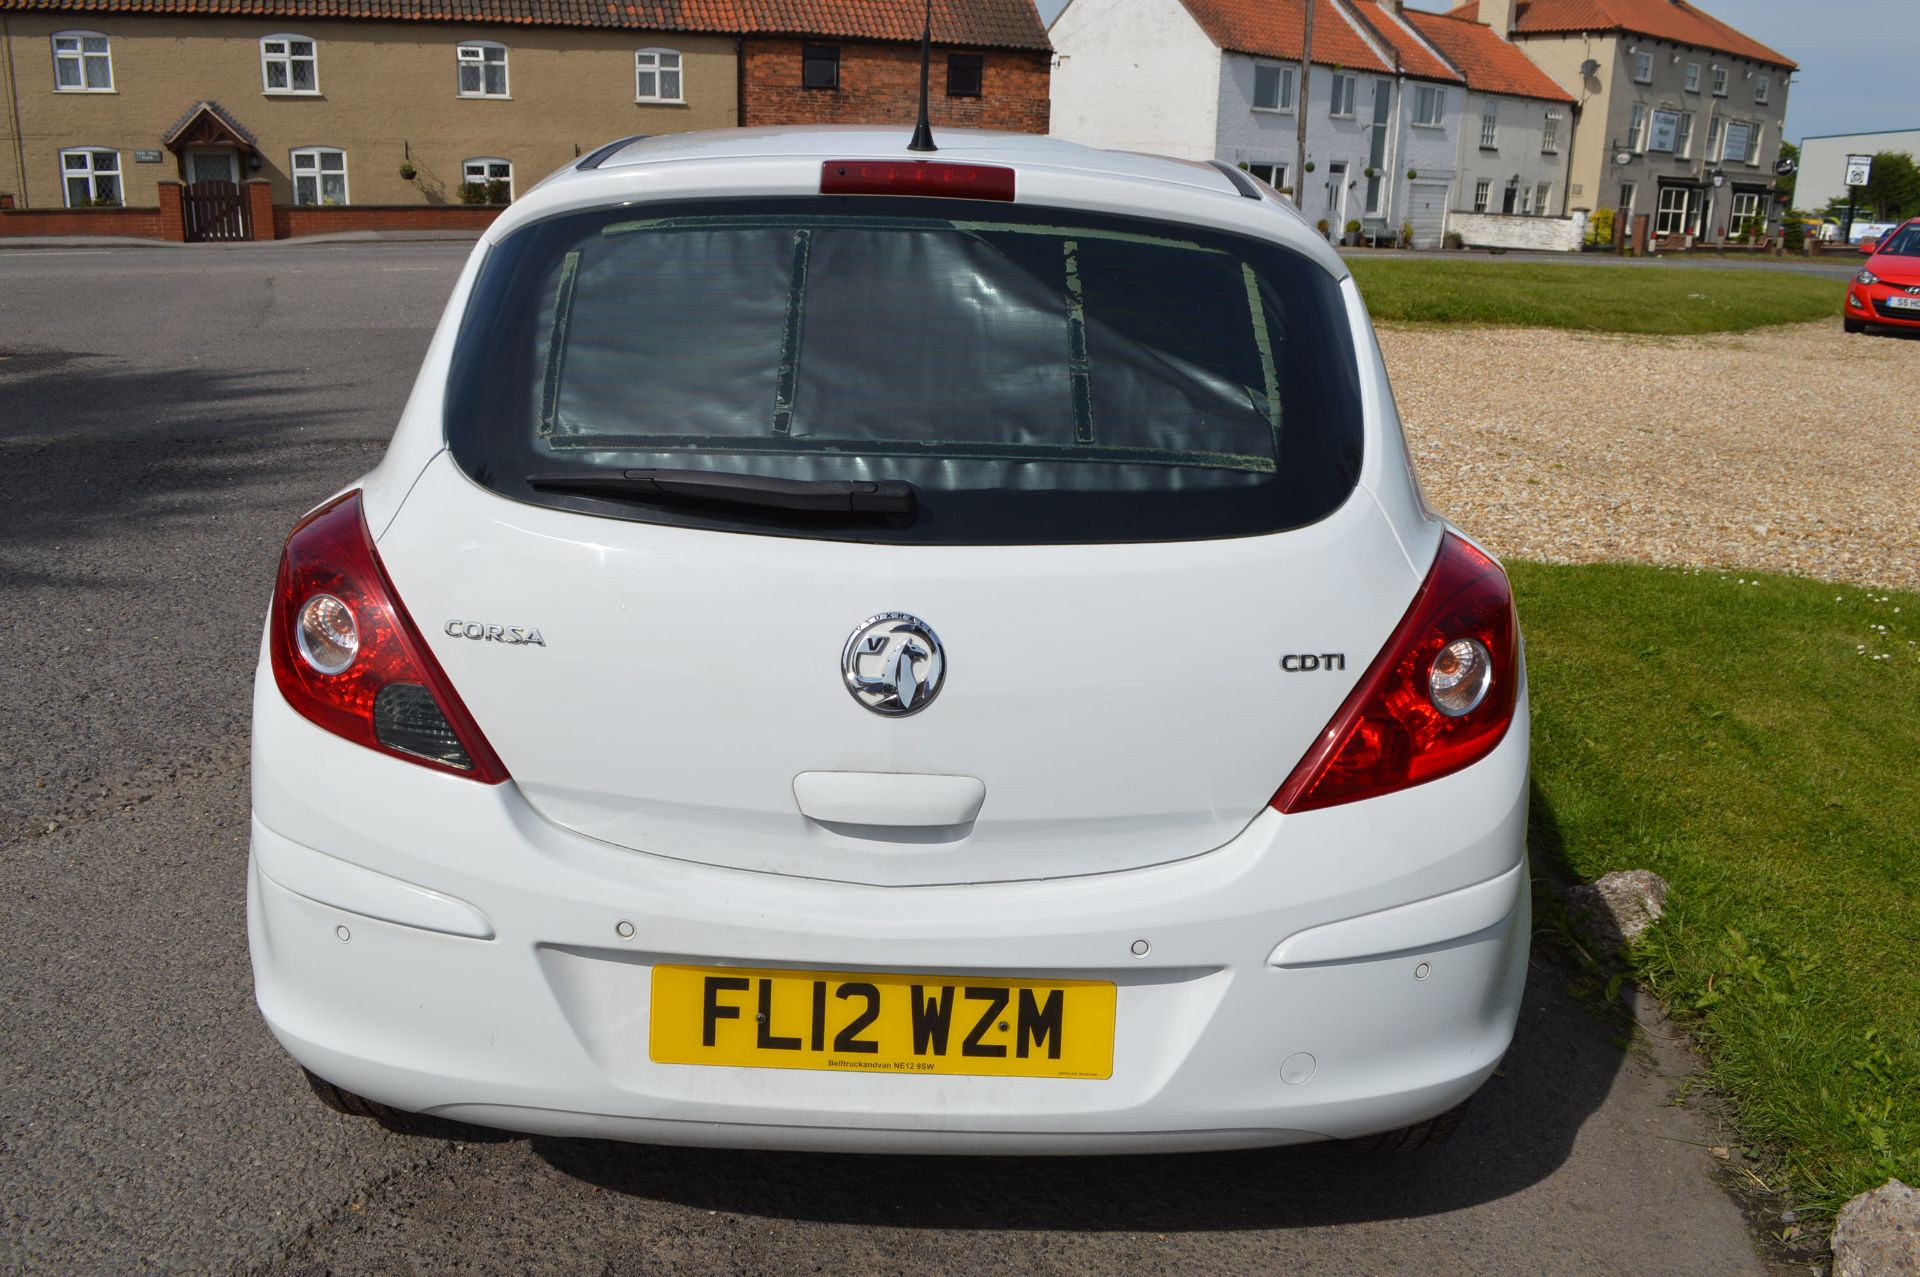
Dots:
pixel 257 119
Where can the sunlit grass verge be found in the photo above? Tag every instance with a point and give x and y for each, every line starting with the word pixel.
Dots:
pixel 1756 741
pixel 1673 301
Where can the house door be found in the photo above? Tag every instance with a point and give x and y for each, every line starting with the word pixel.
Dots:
pixel 1511 198
pixel 212 166
pixel 1337 197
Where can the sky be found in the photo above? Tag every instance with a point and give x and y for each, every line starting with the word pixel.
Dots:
pixel 1845 67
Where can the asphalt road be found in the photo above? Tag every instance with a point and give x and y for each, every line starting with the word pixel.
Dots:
pixel 164 417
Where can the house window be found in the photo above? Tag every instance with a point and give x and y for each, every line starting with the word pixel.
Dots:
pixel 483 69
pixel 1666 131
pixel 1683 136
pixel 1526 201
pixel 1342 103
pixel 1543 199
pixel 1626 197
pixel 81 63
pixel 1738 134
pixel 820 66
pixel 319 175
pixel 1693 77
pixel 1274 175
pixel 1272 87
pixel 288 65
pixel 1746 211
pixel 656 76
pixel 1490 128
pixel 1761 87
pixel 1643 68
pixel 1482 192
pixel 1713 139
pixel 1550 133
pixel 1429 102
pixel 966 74
pixel 1673 211
pixel 92 177
pixel 1719 82
pixel 486 181
pixel 1635 126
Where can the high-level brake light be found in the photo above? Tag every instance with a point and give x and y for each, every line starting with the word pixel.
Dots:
pixel 916 177
pixel 1439 696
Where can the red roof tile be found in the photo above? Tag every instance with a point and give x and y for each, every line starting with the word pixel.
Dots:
pixel 982 23
pixel 1415 58
pixel 1675 20
pixel 1491 64
pixel 1274 29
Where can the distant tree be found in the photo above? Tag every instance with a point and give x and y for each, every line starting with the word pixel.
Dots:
pixel 1788 151
pixel 1894 192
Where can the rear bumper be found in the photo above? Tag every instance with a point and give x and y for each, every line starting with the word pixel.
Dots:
pixel 440 947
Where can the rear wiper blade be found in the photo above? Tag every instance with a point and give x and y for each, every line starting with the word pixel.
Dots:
pixel 824 496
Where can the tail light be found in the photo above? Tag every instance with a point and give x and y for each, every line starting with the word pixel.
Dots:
pixel 1439 696
pixel 348 657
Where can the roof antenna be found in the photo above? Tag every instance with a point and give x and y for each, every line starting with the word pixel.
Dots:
pixel 922 131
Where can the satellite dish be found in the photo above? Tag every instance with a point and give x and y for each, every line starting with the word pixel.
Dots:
pixel 1589 68
pixel 1785 168
pixel 1623 157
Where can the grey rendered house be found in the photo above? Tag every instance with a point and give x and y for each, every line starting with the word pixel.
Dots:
pixel 1679 115
pixel 1221 79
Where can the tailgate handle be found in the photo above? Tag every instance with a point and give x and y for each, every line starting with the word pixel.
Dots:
pixel 888 798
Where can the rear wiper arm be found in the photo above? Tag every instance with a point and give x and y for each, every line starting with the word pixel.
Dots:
pixel 824 496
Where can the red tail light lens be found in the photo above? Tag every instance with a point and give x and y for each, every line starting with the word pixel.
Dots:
pixel 916 177
pixel 348 657
pixel 1439 696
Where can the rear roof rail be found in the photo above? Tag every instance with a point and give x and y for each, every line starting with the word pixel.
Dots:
pixel 1241 182
pixel 595 159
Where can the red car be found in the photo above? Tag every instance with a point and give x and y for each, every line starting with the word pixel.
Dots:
pixel 1887 290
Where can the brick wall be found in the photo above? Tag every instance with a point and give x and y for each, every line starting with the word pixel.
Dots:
pixel 880 84
pixel 311 219
pixel 141 222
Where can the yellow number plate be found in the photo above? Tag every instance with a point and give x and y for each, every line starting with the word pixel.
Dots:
pixel 860 1023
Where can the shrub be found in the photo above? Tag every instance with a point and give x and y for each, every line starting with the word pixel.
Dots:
pixel 1600 228
pixel 1406 234
pixel 1453 240
pixel 1353 228
pixel 493 192
pixel 1795 235
pixel 1321 226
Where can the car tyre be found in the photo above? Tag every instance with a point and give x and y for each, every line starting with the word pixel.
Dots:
pixel 1409 1139
pixel 344 1101
pixel 1853 325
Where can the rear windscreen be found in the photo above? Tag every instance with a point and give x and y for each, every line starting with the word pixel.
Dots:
pixel 1036 375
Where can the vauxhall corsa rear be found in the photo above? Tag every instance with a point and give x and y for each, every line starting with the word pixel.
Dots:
pixel 857 650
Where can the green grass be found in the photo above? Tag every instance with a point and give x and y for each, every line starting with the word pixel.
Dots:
pixel 1738 737
pixel 1664 300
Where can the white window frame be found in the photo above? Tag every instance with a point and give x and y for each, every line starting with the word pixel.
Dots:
pixel 1693 77
pixel 1716 132
pixel 1719 82
pixel 92 173
pixel 1482 195
pixel 1683 136
pixel 1636 129
pixel 1344 88
pixel 288 57
pixel 80 55
pixel 1276 172
pixel 1735 222
pixel 1746 142
pixel 1629 191
pixel 1425 96
pixel 1490 127
pixel 473 53
pixel 1761 88
pixel 1550 133
pixel 654 62
pixel 1643 68
pixel 486 161
pixel 1665 215
pixel 1288 79
pixel 316 172
pixel 1543 199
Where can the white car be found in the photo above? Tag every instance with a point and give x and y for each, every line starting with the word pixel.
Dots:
pixel 853 649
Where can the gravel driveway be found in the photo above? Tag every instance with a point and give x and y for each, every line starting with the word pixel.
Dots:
pixel 1791 449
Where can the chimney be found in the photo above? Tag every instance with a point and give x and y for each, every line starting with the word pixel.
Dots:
pixel 1498 14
